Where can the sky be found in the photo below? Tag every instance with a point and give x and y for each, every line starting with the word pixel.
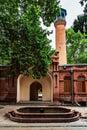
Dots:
pixel 74 9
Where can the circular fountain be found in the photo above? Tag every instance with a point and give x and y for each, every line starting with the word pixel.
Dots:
pixel 43 114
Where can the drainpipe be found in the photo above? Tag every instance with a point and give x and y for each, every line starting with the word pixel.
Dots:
pixel 72 89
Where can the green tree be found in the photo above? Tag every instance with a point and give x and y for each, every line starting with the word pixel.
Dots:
pixel 76 47
pixel 23 43
pixel 81 22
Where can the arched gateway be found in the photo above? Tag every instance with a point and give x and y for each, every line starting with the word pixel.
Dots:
pixel 36 91
pixel 29 89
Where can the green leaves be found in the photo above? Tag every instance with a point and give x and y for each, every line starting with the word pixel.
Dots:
pixel 23 43
pixel 77 38
pixel 80 23
pixel 76 47
pixel 48 10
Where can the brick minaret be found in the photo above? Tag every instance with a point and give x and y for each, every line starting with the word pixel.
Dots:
pixel 60 36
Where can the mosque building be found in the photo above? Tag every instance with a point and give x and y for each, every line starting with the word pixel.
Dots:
pixel 64 83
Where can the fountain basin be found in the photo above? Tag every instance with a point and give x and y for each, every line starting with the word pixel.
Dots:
pixel 43 114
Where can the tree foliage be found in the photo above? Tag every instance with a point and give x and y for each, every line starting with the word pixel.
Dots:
pixel 77 38
pixel 81 22
pixel 76 47
pixel 82 2
pixel 23 43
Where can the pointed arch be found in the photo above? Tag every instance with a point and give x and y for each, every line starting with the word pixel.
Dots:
pixel 35 91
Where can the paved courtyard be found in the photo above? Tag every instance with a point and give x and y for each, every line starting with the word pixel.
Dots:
pixel 6 124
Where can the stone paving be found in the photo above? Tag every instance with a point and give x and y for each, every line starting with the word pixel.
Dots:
pixel 6 124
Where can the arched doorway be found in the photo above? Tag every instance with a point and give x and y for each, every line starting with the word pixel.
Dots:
pixel 35 91
pixel 27 88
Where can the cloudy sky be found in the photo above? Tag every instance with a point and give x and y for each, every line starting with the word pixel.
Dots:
pixel 73 8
